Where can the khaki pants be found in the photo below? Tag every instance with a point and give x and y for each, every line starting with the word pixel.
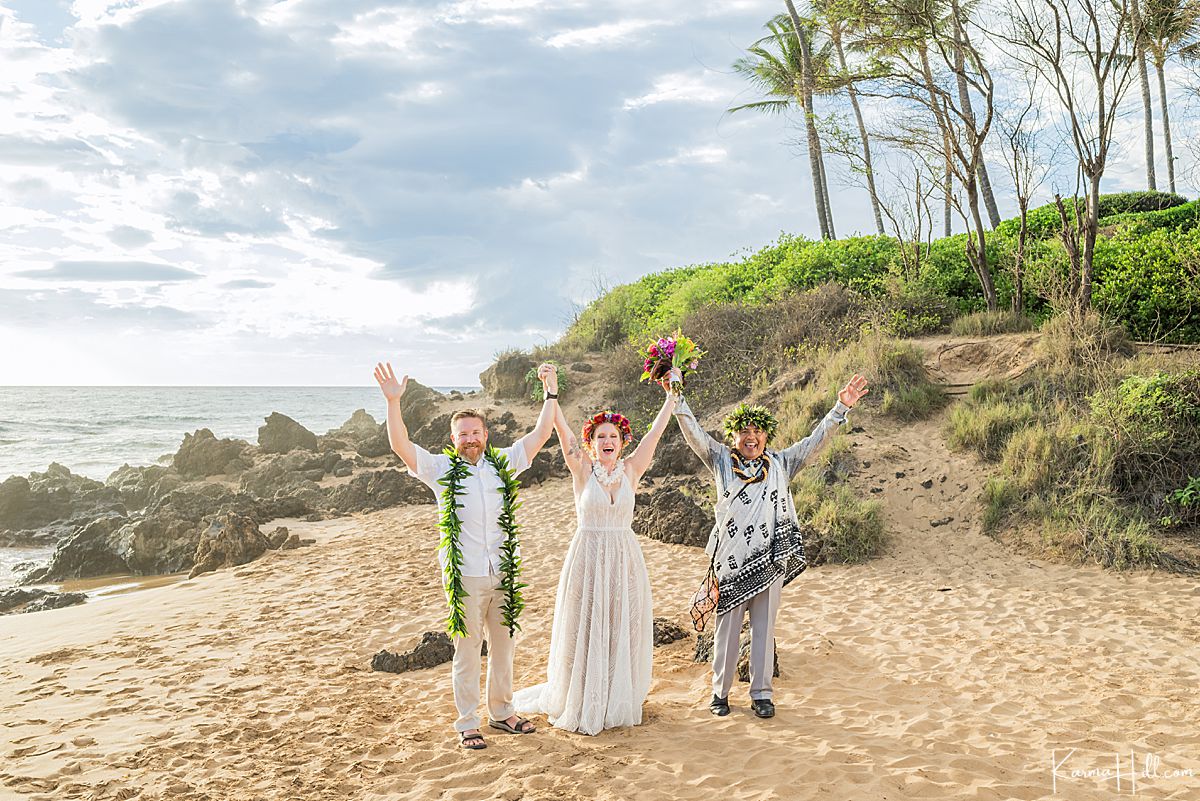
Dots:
pixel 483 613
pixel 763 608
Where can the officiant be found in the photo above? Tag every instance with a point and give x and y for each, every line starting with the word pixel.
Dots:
pixel 756 547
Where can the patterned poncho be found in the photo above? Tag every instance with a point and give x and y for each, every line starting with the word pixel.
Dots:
pixel 756 537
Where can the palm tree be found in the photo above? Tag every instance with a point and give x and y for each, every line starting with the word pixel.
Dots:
pixel 1172 28
pixel 803 34
pixel 836 17
pixel 775 65
pixel 1138 34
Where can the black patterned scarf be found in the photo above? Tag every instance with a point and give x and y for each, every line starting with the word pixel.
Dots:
pixel 750 471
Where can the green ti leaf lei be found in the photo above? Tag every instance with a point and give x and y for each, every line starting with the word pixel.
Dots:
pixel 451 528
pixel 510 561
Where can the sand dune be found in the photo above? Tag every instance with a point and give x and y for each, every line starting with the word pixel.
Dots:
pixel 949 668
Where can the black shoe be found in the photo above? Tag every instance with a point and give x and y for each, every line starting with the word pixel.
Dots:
pixel 763 708
pixel 719 706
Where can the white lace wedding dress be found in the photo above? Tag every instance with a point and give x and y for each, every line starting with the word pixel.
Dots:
pixel 602 639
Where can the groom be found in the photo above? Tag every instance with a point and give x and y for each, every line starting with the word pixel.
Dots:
pixel 476 489
pixel 756 545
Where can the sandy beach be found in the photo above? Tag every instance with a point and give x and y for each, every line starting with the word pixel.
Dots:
pixel 253 251
pixel 949 668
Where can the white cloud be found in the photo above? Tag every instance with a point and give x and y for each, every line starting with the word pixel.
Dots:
pixel 545 190
pixel 112 12
pixel 382 28
pixel 680 87
pixel 701 154
pixel 609 34
pixel 510 13
pixel 423 92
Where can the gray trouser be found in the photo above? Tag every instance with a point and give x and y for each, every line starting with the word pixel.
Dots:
pixel 763 608
pixel 484 622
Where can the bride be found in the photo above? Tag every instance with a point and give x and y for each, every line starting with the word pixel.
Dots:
pixel 601 641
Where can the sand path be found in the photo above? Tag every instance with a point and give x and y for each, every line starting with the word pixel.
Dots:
pixel 949 668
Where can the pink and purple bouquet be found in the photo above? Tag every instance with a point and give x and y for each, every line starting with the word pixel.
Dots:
pixel 675 351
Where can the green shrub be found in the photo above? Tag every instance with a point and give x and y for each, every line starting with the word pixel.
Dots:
pixel 1044 221
pixel 1188 496
pixel 626 310
pixel 1150 282
pixel 706 286
pixel 1183 504
pixel 945 270
pixel 1153 423
pixel 1177 218
pixel 1135 202
pixel 861 263
pixel 1145 276
pixel 911 310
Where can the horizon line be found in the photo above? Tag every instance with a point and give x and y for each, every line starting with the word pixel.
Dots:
pixel 219 386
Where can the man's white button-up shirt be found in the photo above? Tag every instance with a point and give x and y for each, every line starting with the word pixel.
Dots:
pixel 481 502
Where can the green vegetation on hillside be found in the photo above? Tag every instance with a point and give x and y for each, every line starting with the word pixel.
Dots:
pixel 1147 277
pixel 1094 449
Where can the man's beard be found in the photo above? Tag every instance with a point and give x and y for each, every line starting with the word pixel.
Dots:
pixel 471 451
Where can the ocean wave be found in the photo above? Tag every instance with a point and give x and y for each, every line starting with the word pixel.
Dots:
pixel 111 426
pixel 164 418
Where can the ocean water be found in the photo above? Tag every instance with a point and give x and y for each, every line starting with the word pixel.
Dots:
pixel 10 558
pixel 95 430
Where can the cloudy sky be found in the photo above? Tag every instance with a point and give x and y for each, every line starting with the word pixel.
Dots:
pixel 277 193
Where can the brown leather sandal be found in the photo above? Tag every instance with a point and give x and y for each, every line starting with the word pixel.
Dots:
pixel 502 725
pixel 473 741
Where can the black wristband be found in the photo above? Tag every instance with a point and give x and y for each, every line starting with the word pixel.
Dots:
pixel 551 396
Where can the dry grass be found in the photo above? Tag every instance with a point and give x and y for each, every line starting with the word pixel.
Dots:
pixel 989 323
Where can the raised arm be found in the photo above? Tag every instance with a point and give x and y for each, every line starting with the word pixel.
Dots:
pixel 695 436
pixel 639 461
pixel 801 453
pixel 535 439
pixel 574 454
pixel 393 390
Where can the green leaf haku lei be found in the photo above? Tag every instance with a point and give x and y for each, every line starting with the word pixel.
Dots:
pixel 451 528
pixel 746 415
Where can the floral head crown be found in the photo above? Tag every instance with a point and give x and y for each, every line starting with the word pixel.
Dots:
pixel 618 420
pixel 745 415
